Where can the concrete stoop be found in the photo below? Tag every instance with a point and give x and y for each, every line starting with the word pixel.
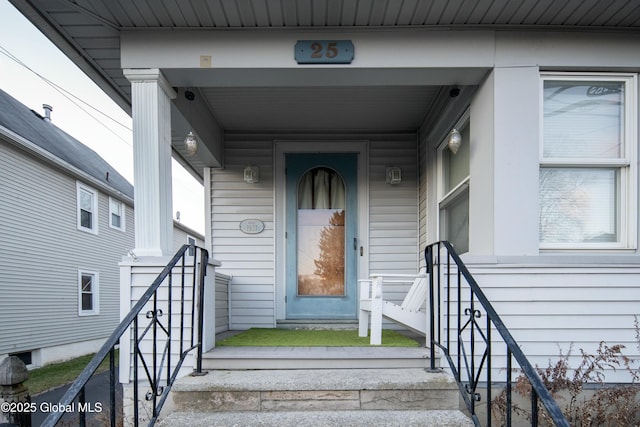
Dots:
pixel 319 419
pixel 317 397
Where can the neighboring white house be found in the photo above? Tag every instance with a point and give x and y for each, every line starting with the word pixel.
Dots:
pixel 65 223
pixel 357 99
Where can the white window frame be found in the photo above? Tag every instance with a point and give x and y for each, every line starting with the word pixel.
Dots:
pixel 80 187
pixel 191 241
pixel 626 163
pixel 95 293
pixel 122 214
pixel 447 198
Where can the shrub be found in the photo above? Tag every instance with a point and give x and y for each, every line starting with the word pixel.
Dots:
pixel 598 405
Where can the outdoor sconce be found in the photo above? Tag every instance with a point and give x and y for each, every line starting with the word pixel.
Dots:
pixel 394 175
pixel 190 142
pixel 251 174
pixel 455 140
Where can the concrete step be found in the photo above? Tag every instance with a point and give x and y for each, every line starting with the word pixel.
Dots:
pixel 316 397
pixel 439 418
pixel 315 358
pixel 316 389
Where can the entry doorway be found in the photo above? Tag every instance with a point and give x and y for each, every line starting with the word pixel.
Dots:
pixel 321 235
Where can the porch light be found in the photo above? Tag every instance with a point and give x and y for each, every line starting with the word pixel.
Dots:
pixel 190 144
pixel 455 140
pixel 394 175
pixel 251 174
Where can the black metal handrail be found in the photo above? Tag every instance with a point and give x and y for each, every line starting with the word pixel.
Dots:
pixel 160 357
pixel 463 305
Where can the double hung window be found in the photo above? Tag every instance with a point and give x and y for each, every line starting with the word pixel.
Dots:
pixel 87 208
pixel 587 184
pixel 116 214
pixel 88 293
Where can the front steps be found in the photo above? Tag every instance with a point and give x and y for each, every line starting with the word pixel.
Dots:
pixel 317 397
pixel 320 419
pixel 315 358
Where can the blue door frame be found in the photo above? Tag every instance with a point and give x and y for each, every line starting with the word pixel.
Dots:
pixel 324 306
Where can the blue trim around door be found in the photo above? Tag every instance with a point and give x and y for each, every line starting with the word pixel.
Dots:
pixel 325 306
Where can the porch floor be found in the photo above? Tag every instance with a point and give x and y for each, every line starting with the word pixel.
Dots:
pixel 316 357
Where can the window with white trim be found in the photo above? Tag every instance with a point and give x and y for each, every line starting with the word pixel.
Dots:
pixel 88 288
pixel 116 214
pixel 453 192
pixel 191 241
pixel 87 207
pixel 587 161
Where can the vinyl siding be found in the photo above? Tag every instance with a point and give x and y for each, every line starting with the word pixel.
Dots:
pixel 41 253
pixel 562 309
pixel 393 209
pixel 140 276
pixel 180 237
pixel 222 302
pixel 425 239
pixel 250 258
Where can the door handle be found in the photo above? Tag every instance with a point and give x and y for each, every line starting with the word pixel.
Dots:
pixel 361 251
pixel 355 243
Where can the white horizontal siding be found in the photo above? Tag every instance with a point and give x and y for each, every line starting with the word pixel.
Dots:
pixel 41 252
pixel 222 302
pixel 141 275
pixel 393 209
pixel 551 310
pixel 180 238
pixel 248 258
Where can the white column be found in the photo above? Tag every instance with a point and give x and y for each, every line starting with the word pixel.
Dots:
pixel 151 112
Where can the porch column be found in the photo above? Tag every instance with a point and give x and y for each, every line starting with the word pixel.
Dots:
pixel 151 113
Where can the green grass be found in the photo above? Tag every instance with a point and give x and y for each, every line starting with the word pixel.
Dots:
pixel 258 337
pixel 59 374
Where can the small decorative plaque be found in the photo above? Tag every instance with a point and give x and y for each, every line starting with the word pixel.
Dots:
pixel 252 226
pixel 324 52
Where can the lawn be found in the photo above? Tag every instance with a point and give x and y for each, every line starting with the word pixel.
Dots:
pixel 261 337
pixel 59 374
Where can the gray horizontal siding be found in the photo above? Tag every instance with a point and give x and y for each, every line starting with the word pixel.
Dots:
pixel 393 209
pixel 249 258
pixel 553 309
pixel 180 238
pixel 393 235
pixel 41 252
pixel 222 302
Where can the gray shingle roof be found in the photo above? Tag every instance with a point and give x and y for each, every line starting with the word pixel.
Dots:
pixel 30 125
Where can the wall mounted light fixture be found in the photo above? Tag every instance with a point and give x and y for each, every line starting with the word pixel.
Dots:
pixel 394 175
pixel 190 142
pixel 455 141
pixel 251 174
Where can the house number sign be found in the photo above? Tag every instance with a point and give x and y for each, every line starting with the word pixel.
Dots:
pixel 324 52
pixel 252 226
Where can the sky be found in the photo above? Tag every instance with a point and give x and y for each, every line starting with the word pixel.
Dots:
pixel 101 125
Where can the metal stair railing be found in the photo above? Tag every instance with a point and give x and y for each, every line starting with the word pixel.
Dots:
pixel 159 332
pixel 465 338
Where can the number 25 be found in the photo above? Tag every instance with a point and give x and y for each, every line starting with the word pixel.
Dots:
pixel 332 50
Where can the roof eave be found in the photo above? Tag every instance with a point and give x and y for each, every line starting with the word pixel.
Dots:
pixel 44 155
